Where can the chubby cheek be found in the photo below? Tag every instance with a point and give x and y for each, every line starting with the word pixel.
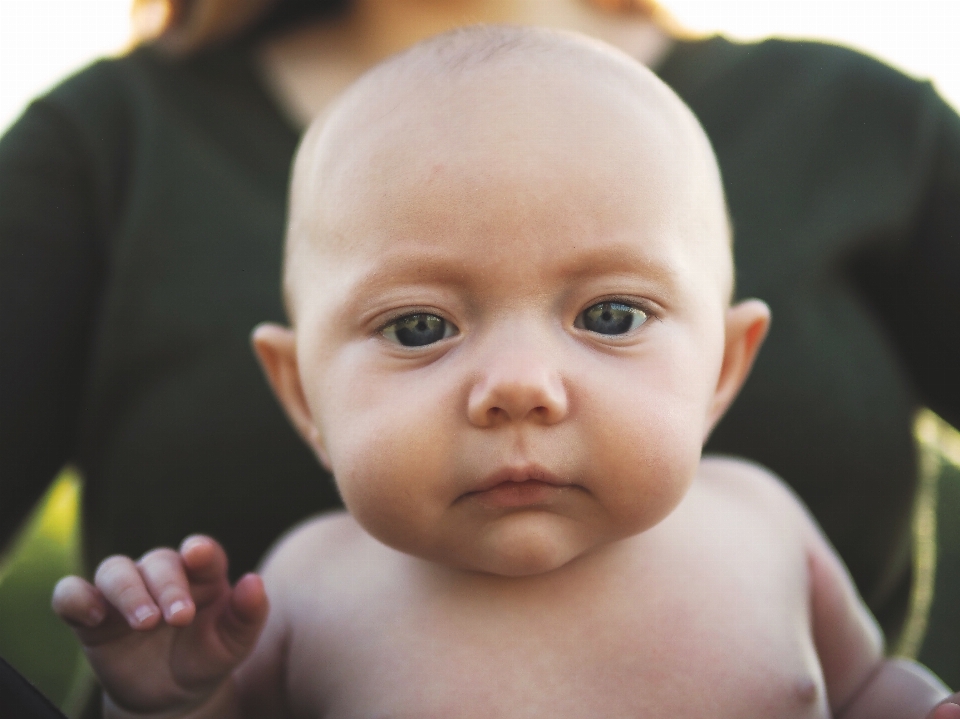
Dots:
pixel 646 428
pixel 390 456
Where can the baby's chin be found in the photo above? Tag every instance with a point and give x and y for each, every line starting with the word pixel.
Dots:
pixel 522 544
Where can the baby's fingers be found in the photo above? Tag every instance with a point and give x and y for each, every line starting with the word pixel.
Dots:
pixel 244 617
pixel 164 576
pixel 123 586
pixel 947 710
pixel 79 603
pixel 205 563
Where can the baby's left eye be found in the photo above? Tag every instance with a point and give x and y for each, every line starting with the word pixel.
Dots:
pixel 418 330
pixel 610 318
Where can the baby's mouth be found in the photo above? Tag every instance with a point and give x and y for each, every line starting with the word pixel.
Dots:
pixel 514 487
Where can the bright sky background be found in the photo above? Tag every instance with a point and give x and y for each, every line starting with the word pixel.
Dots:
pixel 43 40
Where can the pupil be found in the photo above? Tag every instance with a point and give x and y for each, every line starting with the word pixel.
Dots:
pixel 609 318
pixel 419 330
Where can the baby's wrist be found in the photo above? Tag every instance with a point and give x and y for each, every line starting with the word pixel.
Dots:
pixel 221 703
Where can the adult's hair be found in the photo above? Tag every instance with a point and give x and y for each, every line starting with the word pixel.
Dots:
pixel 182 27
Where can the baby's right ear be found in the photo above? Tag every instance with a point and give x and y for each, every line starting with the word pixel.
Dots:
pixel 276 348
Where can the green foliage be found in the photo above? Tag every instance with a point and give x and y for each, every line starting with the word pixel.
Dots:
pixel 32 639
pixel 940 650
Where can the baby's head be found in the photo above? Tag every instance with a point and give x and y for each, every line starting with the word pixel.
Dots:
pixel 509 274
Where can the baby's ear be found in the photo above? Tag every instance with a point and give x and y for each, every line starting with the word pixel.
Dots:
pixel 747 323
pixel 276 348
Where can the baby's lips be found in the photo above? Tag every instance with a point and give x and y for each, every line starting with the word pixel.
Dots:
pixel 519 473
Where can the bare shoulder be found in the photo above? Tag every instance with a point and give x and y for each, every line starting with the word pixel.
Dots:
pixel 744 477
pixel 314 546
pixel 752 484
pixel 294 569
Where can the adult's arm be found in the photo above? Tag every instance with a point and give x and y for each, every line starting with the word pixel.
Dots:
pixel 51 271
pixel 861 682
pixel 914 284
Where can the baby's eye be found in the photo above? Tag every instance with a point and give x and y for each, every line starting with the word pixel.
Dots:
pixel 418 330
pixel 610 318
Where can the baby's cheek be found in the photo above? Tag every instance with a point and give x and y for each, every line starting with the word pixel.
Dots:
pixel 390 471
pixel 647 457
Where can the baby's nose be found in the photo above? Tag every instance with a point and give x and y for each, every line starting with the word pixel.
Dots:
pixel 518 389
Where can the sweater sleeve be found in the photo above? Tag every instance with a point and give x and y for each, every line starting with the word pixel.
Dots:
pixel 915 287
pixel 51 269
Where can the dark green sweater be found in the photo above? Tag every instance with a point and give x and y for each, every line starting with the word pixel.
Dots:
pixel 141 217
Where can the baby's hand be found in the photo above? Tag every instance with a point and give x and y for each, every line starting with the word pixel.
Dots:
pixel 164 633
pixel 950 709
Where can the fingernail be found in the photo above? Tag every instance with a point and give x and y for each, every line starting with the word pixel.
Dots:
pixel 143 613
pixel 94 617
pixel 190 543
pixel 177 607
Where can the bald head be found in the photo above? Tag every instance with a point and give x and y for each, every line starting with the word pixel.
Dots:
pixel 513 114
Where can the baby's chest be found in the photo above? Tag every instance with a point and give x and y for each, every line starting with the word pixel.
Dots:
pixel 701 644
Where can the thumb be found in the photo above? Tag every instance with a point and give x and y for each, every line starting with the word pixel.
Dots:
pixel 947 710
pixel 243 618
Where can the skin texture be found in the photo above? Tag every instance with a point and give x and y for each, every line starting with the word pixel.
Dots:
pixel 521 313
pixel 532 531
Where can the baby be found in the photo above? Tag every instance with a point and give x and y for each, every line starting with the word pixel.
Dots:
pixel 509 277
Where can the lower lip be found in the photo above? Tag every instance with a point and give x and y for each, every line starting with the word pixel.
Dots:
pixel 517 494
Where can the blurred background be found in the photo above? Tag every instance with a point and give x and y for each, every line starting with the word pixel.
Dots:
pixel 42 41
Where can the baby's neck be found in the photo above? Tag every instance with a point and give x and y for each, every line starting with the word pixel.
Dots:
pixel 588 569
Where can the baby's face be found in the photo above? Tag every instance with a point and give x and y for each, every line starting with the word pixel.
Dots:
pixel 510 327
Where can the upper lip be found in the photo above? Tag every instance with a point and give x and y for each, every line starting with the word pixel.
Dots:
pixel 520 473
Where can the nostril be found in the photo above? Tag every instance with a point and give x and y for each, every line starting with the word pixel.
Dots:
pixel 496 414
pixel 523 394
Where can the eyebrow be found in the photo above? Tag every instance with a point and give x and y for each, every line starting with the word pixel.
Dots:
pixel 427 268
pixel 401 270
pixel 621 258
pixel 440 268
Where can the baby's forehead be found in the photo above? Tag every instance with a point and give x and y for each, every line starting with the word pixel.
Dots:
pixel 496 77
pixel 480 99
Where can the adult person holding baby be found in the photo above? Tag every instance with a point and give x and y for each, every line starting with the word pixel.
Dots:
pixel 141 215
pixel 531 528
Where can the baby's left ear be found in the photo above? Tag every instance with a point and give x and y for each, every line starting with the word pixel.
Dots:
pixel 747 323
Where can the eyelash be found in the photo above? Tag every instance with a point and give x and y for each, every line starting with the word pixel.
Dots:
pixel 612 319
pixel 631 302
pixel 648 308
pixel 634 302
pixel 384 328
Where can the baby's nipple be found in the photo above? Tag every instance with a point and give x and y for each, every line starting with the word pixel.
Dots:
pixel 805 691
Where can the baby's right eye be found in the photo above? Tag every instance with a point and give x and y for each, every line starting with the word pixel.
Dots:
pixel 418 330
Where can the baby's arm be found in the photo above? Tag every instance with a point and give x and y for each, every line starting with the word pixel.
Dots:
pixel 861 684
pixel 165 634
